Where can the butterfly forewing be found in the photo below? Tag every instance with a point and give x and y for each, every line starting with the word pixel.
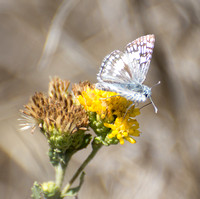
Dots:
pixel 115 68
pixel 139 53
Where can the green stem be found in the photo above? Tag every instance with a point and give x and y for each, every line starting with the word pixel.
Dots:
pixel 60 172
pixel 95 149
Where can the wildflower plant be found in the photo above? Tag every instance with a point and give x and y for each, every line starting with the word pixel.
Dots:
pixel 65 118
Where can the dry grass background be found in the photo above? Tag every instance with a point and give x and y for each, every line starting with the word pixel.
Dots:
pixel 165 162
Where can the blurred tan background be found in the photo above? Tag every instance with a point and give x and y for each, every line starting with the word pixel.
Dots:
pixel 165 161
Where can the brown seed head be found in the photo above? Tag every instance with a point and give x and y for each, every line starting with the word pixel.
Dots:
pixel 57 110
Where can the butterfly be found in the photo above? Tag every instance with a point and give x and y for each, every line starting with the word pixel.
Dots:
pixel 124 72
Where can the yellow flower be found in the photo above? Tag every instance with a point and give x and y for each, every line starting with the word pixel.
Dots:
pixel 123 129
pixel 112 111
pixel 94 100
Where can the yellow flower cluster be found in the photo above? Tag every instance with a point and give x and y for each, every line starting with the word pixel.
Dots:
pixel 112 110
pixel 123 129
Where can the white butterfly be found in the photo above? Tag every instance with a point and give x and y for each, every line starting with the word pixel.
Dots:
pixel 124 72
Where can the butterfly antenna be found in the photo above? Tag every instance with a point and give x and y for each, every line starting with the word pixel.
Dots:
pixel 156 84
pixel 155 108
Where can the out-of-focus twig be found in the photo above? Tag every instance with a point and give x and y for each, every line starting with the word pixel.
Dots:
pixel 55 31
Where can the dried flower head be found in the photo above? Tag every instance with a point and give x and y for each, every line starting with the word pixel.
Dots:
pixel 82 86
pixel 57 115
pixel 58 88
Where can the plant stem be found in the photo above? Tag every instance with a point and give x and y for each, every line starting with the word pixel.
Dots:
pixel 95 149
pixel 60 172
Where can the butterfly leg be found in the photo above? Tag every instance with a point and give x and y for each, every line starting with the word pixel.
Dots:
pixel 145 105
pixel 109 97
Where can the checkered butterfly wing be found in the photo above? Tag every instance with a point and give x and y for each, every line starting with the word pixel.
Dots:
pixel 130 66
pixel 115 69
pixel 139 53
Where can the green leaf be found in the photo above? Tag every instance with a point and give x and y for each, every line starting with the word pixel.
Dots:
pixel 74 191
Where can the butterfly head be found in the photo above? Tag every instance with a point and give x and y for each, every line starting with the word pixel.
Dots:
pixel 146 91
